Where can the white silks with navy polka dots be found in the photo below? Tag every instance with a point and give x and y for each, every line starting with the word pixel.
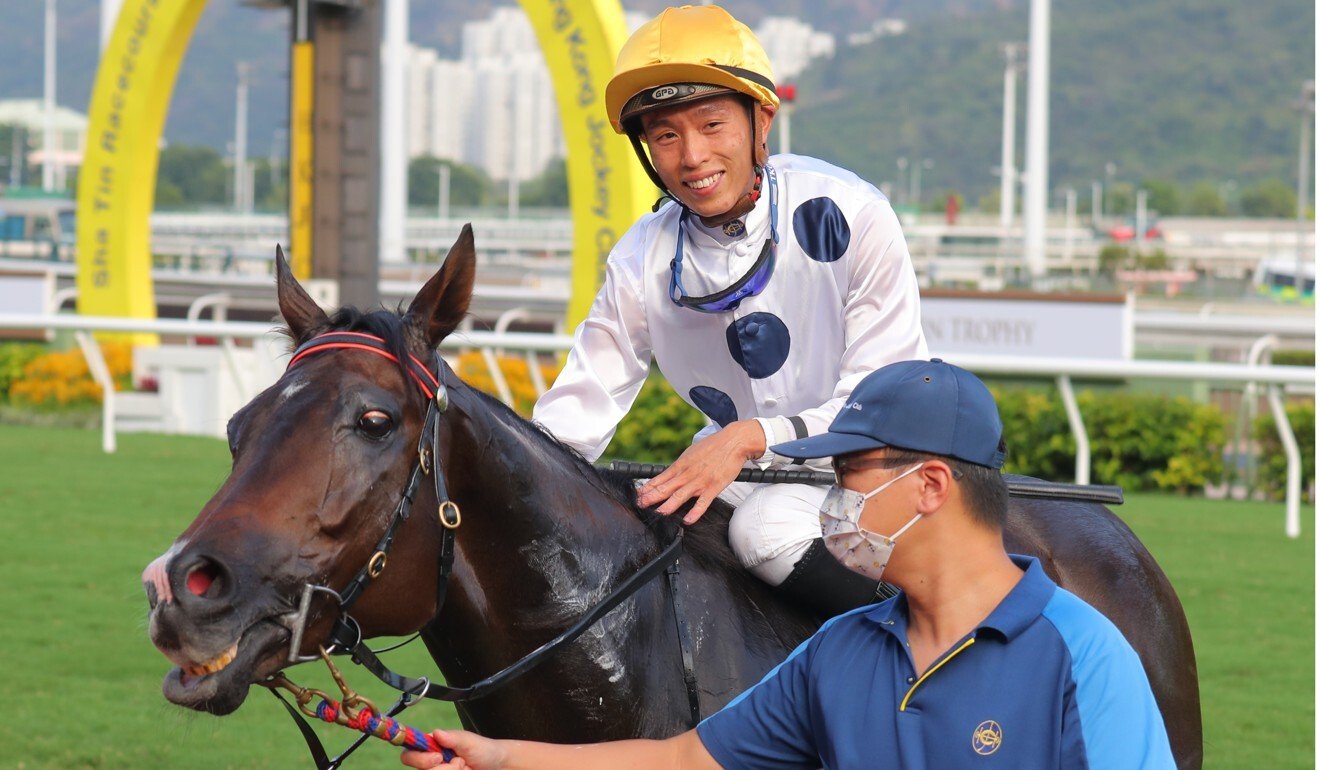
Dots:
pixel 842 302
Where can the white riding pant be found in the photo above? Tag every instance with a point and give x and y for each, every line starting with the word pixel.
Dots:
pixel 773 525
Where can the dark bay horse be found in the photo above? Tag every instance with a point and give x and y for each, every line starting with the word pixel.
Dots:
pixel 321 458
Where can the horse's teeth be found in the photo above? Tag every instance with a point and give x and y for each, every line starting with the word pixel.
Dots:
pixel 218 663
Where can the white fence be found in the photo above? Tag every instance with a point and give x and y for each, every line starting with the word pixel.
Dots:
pixel 1253 375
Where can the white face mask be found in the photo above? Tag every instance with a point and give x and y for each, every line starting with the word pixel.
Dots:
pixel 857 549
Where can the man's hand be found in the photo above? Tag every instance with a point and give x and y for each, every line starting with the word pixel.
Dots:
pixel 472 752
pixel 704 470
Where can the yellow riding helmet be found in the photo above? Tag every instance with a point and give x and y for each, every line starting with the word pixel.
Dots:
pixel 679 55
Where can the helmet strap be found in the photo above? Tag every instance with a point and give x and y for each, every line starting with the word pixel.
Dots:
pixel 747 202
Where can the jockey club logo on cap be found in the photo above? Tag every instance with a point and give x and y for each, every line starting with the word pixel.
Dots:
pixel 987 737
pixel 854 405
pixel 664 92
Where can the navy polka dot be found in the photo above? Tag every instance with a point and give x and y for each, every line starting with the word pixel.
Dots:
pixel 759 343
pixel 821 229
pixel 715 404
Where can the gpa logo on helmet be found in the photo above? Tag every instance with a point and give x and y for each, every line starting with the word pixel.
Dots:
pixel 663 93
pixel 987 737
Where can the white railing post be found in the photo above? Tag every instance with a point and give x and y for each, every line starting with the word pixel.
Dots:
pixel 1082 463
pixel 497 376
pixel 1292 523
pixel 101 373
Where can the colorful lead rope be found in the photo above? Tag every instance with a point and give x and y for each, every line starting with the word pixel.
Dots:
pixel 375 724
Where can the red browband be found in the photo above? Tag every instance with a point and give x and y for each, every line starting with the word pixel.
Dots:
pixel 418 371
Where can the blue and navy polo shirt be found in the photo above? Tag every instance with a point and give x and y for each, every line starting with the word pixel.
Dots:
pixel 1045 681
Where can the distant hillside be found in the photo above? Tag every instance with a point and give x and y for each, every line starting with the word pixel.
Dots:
pixel 1184 90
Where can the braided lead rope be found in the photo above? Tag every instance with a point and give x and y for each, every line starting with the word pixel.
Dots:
pixel 368 721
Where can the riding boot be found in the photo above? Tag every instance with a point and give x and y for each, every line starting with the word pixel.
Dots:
pixel 826 587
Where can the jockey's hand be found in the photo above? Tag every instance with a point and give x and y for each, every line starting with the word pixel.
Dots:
pixel 704 470
pixel 471 752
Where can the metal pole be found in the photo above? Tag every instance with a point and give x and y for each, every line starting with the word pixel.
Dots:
pixel 785 128
pixel 48 116
pixel 1082 467
pixel 1139 237
pixel 1097 201
pixel 101 374
pixel 109 15
pixel 393 133
pixel 1307 108
pixel 240 138
pixel 1008 148
pixel 444 191
pixel 902 176
pixel 513 154
pixel 1292 523
pixel 1069 222
pixel 1038 138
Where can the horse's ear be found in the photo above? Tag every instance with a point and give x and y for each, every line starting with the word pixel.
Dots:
pixel 442 303
pixel 300 311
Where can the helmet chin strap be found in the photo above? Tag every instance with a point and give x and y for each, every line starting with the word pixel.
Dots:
pixel 744 204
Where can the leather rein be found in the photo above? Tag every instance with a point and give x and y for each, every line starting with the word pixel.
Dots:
pixel 346 637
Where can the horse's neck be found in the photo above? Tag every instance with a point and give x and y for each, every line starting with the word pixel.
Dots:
pixel 553 519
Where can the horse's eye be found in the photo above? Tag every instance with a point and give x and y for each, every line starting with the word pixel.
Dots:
pixel 375 424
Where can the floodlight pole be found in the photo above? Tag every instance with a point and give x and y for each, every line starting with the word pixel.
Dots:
pixel 240 139
pixel 48 122
pixel 109 15
pixel 393 133
pixel 1307 107
pixel 1038 138
pixel 1008 154
pixel 787 95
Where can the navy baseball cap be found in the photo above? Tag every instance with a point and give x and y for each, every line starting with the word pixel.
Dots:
pixel 924 406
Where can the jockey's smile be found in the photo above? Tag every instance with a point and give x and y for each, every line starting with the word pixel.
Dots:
pixel 703 151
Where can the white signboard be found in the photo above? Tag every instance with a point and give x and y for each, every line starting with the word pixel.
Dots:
pixel 25 293
pixel 1024 324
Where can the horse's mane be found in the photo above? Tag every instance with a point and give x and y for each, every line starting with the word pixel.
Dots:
pixel 707 541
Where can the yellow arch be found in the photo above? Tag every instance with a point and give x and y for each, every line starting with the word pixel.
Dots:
pixel 135 80
pixel 117 183
pixel 606 187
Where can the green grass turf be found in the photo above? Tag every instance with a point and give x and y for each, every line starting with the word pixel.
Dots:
pixel 82 680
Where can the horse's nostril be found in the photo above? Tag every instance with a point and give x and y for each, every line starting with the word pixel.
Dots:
pixel 200 579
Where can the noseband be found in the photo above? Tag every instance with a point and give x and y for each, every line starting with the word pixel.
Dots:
pixel 346 635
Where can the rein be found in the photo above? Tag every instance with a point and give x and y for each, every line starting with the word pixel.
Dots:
pixel 346 636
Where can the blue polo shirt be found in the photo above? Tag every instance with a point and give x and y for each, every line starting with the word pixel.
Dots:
pixel 1045 681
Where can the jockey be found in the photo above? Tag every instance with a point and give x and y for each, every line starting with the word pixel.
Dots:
pixel 764 289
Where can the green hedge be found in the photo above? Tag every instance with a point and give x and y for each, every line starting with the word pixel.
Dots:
pixel 1140 442
pixel 13 357
pixel 658 428
pixel 1273 475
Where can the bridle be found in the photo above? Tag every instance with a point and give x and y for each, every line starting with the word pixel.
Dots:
pixel 346 637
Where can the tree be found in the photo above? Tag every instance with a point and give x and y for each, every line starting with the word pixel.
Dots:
pixel 1162 196
pixel 198 174
pixel 468 186
pixel 1120 200
pixel 1270 198
pixel 1205 201
pixel 550 189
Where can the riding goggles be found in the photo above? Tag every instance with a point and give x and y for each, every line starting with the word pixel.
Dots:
pixel 751 284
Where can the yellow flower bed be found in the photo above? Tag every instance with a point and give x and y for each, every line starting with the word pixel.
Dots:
pixel 472 368
pixel 62 379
